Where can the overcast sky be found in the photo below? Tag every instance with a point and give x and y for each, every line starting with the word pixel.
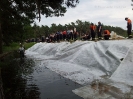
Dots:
pixel 108 12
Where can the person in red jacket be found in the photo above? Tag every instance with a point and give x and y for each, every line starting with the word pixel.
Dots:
pixel 64 34
pixel 129 27
pixel 106 34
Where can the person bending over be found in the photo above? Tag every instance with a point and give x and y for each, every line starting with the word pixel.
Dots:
pixel 106 34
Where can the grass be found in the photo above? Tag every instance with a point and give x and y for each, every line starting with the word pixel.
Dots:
pixel 15 46
pixel 28 45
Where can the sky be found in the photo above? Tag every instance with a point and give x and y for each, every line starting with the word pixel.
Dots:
pixel 108 12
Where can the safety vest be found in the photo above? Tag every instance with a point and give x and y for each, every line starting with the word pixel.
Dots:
pixel 107 32
pixel 129 21
pixel 93 27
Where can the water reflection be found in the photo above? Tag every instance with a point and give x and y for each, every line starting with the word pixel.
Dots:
pixel 26 79
pixel 15 76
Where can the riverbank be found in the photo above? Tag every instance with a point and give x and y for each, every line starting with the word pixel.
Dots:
pixel 9 52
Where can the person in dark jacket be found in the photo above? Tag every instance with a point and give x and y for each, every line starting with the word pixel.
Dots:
pixel 99 30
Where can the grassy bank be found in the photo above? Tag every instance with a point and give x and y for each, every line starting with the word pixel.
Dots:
pixel 15 46
pixel 9 52
pixel 6 58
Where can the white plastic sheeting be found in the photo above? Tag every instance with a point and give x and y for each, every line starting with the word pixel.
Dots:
pixel 85 61
pixel 124 72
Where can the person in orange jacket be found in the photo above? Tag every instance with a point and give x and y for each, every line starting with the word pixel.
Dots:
pixel 129 27
pixel 106 34
pixel 92 29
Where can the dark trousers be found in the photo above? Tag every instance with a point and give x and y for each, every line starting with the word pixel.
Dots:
pixel 21 54
pixel 61 37
pixel 106 37
pixel 64 36
pixel 99 34
pixel 93 34
pixel 88 37
pixel 129 31
pixel 71 35
pixel 58 37
pixel 75 36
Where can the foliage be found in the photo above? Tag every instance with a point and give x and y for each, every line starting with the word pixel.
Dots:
pixel 13 46
pixel 17 15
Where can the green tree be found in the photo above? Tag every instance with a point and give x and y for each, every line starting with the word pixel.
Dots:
pixel 60 27
pixel 53 28
pixel 15 14
pixel 80 26
pixel 28 32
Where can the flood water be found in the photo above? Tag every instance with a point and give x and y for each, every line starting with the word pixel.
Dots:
pixel 23 79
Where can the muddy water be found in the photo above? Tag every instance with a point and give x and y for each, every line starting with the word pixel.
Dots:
pixel 23 79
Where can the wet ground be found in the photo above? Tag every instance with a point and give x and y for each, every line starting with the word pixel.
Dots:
pixel 23 79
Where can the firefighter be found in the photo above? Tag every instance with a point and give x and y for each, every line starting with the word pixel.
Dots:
pixel 106 34
pixel 92 29
pixel 129 27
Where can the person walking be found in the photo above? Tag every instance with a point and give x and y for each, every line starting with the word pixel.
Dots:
pixel 129 27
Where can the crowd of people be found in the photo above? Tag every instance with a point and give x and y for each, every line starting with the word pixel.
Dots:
pixel 72 34
pixel 94 31
pixel 104 32
pixel 62 36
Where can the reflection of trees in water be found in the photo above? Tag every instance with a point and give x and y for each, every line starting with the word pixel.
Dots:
pixel 15 77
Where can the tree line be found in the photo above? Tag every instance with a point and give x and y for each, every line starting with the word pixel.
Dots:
pixel 81 27
pixel 35 31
